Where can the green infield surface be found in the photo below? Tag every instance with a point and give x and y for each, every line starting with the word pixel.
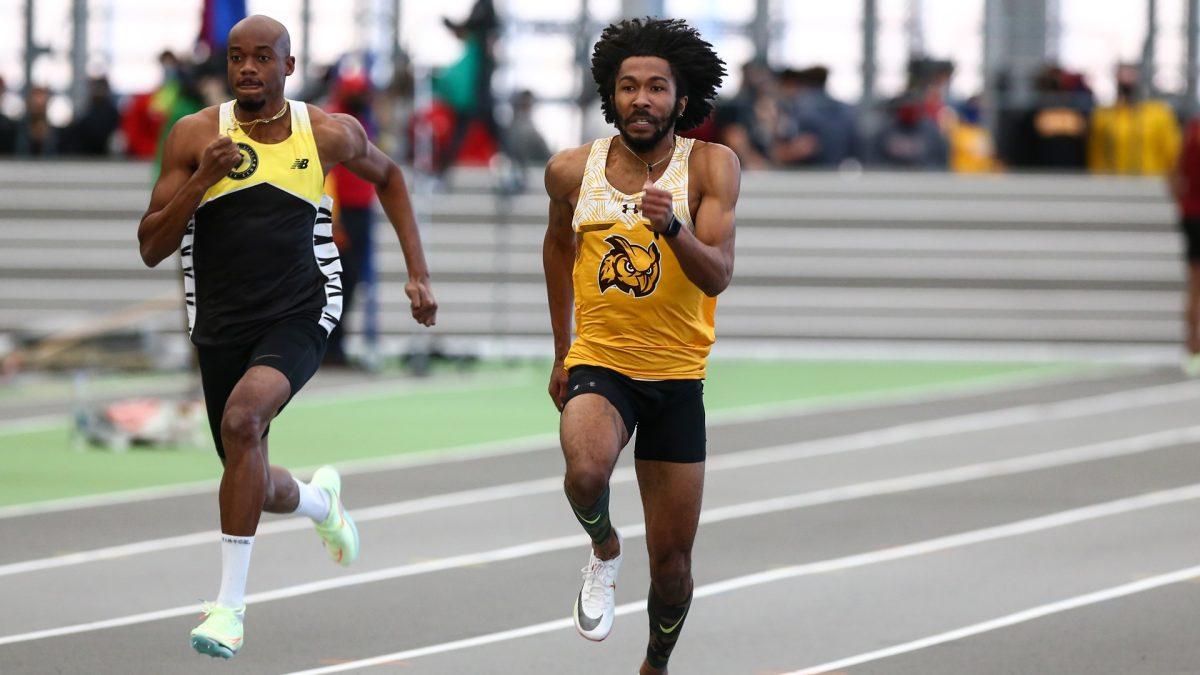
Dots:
pixel 378 420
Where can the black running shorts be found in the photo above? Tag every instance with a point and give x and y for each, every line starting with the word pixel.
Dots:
pixel 667 414
pixel 294 347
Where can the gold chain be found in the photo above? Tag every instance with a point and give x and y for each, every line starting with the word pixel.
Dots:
pixel 256 121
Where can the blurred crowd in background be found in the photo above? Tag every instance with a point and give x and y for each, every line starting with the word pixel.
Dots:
pixel 779 118
pixel 787 119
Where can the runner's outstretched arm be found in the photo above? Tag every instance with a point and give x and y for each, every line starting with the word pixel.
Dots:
pixel 368 162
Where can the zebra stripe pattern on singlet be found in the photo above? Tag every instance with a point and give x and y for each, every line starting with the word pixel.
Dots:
pixel 326 253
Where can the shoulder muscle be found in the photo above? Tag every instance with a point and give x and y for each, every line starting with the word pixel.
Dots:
pixel 564 172
pixel 339 137
pixel 718 168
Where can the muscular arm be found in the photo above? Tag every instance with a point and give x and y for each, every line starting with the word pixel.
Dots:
pixel 180 187
pixel 706 255
pixel 352 148
pixel 558 259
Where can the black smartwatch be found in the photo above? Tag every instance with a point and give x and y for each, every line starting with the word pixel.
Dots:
pixel 673 228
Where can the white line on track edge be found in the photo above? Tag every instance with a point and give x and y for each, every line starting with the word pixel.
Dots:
pixel 927 546
pixel 739 415
pixel 1022 616
pixel 870 439
pixel 719 514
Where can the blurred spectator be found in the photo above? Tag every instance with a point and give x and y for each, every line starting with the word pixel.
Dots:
pixel 1053 134
pixel 795 143
pixel 320 86
pixel 523 142
pixel 910 139
pixel 176 98
pixel 1184 181
pixel 929 82
pixel 354 199
pixel 466 85
pixel 8 127
pixel 140 126
pixel 747 123
pixel 90 133
pixel 816 129
pixel 971 146
pixel 1133 136
pixel 705 131
pixel 43 136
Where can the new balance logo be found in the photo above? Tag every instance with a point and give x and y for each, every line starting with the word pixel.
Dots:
pixel 300 164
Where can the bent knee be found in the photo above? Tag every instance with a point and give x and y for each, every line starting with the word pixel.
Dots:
pixel 242 428
pixel 671 570
pixel 586 481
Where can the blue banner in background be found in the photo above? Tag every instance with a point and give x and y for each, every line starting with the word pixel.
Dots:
pixel 219 17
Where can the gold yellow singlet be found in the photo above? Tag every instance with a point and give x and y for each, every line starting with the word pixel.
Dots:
pixel 635 310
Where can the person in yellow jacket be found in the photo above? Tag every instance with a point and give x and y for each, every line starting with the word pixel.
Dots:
pixel 1133 136
pixel 971 146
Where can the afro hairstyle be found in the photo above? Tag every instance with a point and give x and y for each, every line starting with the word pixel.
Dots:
pixel 697 69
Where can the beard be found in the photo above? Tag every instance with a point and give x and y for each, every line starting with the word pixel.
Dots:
pixel 252 104
pixel 661 130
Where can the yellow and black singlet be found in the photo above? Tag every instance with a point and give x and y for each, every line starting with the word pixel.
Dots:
pixel 259 248
pixel 636 312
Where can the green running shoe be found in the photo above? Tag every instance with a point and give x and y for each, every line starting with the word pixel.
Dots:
pixel 221 632
pixel 338 530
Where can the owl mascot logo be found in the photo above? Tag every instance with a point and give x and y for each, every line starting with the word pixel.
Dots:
pixel 630 267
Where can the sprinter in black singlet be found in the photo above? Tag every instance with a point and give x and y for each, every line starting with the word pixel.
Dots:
pixel 240 197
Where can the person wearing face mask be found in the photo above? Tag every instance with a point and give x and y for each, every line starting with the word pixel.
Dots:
pixel 1133 136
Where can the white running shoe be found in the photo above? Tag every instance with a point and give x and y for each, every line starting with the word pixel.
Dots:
pixel 595 606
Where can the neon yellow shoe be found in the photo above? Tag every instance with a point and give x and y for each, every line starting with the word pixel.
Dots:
pixel 221 632
pixel 338 530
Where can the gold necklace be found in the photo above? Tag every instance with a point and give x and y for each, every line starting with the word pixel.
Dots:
pixel 256 121
pixel 649 166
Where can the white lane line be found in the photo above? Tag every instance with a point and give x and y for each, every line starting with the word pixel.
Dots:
pixel 392 510
pixel 736 460
pixel 33 424
pixel 320 396
pixel 434 456
pixel 1008 530
pixel 336 394
pixel 1041 376
pixel 1008 382
pixel 715 515
pixel 1030 614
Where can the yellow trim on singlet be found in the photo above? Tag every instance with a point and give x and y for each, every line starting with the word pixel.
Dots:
pixel 292 165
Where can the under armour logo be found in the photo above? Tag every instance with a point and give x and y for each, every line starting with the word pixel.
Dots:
pixel 625 208
pixel 300 164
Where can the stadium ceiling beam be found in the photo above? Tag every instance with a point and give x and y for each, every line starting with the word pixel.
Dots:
pixel 79 56
pixel 1149 49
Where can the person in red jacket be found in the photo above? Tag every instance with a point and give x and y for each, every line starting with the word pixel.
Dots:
pixel 354 199
pixel 1184 182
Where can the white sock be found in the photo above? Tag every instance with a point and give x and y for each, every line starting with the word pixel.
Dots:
pixel 314 502
pixel 235 565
